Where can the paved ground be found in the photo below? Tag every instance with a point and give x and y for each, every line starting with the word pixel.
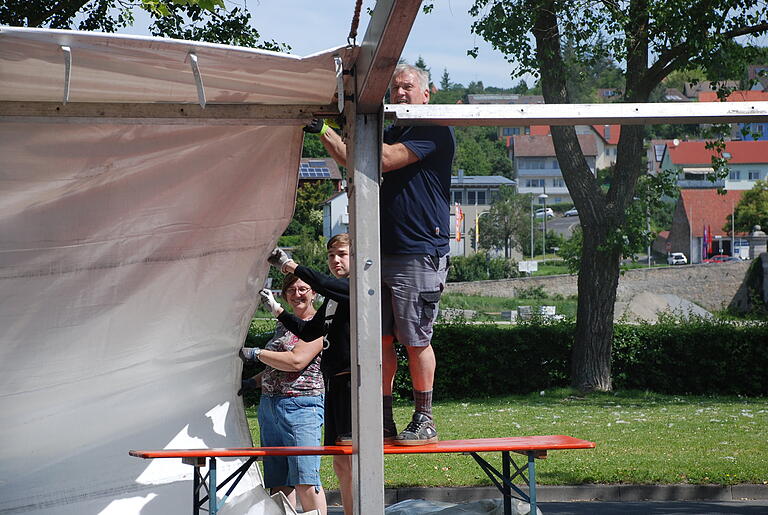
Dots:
pixel 608 499
pixel 642 508
pixel 562 225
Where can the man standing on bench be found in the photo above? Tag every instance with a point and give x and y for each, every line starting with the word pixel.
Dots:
pixel 415 231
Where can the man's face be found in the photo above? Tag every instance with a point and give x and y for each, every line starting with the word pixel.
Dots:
pixel 338 261
pixel 405 90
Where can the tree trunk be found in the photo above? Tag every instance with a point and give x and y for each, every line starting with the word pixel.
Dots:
pixel 601 215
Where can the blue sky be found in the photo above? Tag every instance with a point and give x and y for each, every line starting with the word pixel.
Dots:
pixel 442 37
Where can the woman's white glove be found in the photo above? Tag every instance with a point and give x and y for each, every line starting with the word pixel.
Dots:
pixel 269 300
pixel 279 259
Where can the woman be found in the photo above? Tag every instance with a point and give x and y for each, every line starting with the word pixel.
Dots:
pixel 291 406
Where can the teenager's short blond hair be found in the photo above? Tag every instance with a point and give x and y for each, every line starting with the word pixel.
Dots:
pixel 340 240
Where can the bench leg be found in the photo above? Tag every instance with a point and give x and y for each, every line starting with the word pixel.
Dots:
pixel 532 482
pixel 506 490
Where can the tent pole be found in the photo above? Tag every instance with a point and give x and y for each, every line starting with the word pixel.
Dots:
pixel 365 288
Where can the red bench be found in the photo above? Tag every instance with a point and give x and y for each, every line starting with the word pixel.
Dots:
pixel 531 446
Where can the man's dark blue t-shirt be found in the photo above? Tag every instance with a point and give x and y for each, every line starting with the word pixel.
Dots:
pixel 415 200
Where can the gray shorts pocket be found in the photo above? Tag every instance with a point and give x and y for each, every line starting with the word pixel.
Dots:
pixel 428 301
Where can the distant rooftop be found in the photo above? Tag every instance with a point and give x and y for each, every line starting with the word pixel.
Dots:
pixel 315 168
pixel 480 180
pixel 505 99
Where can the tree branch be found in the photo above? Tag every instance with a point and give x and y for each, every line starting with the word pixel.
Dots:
pixel 64 9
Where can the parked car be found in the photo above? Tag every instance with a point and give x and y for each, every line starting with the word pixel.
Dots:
pixel 548 211
pixel 721 258
pixel 677 258
pixel 571 212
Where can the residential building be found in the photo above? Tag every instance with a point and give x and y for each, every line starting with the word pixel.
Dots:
pixel 507 132
pixel 674 95
pixel 474 194
pixel 747 161
pixel 758 73
pixel 336 215
pixel 743 131
pixel 608 95
pixel 699 213
pixel 692 90
pixel 655 154
pixel 538 170
pixel 317 169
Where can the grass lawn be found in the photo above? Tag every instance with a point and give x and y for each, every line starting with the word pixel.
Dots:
pixel 497 304
pixel 640 437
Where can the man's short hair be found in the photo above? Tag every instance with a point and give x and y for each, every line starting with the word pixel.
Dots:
pixel 340 240
pixel 421 75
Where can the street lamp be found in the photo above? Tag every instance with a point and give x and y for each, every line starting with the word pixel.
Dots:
pixel 532 213
pixel 543 197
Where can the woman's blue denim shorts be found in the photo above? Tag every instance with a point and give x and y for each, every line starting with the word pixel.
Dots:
pixel 291 422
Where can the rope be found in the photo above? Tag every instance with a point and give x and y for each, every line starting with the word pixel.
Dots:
pixel 351 39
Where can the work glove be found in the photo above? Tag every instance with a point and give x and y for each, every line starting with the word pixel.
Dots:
pixel 321 126
pixel 316 126
pixel 248 385
pixel 270 302
pixel 279 259
pixel 250 353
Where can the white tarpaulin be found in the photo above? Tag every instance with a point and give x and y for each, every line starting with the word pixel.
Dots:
pixel 130 260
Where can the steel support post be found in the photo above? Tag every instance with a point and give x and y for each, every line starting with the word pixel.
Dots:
pixel 364 163
pixel 213 507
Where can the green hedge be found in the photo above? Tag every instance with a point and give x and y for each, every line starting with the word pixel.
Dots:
pixel 698 357
pixel 673 356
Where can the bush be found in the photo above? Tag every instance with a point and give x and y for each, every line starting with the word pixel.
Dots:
pixel 673 356
pixel 479 267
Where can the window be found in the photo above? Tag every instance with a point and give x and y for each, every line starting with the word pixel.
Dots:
pixel 754 176
pixel 558 183
pixel 471 197
pixel 735 175
pixel 533 163
pixel 494 195
pixel 510 131
pixel 555 164
pixel 534 183
pixel 457 196
pixel 481 197
pixel 558 200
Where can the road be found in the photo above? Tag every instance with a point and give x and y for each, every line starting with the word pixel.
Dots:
pixel 562 225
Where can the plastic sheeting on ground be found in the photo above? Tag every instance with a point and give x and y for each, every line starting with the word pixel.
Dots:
pixel 482 507
pixel 130 261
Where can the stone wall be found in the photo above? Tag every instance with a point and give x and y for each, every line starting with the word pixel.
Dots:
pixel 711 286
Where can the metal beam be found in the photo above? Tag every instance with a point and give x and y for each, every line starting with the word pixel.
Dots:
pixel 165 114
pixel 577 114
pixel 380 50
pixel 364 161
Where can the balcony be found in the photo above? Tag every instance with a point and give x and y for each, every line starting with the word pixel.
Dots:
pixel 700 184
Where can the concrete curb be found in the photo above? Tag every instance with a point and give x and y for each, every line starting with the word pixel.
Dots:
pixel 620 493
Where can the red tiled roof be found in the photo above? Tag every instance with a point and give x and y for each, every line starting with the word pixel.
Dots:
pixel 613 133
pixel 736 96
pixel 663 235
pixel 694 152
pixel 542 146
pixel 707 207
pixel 613 139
